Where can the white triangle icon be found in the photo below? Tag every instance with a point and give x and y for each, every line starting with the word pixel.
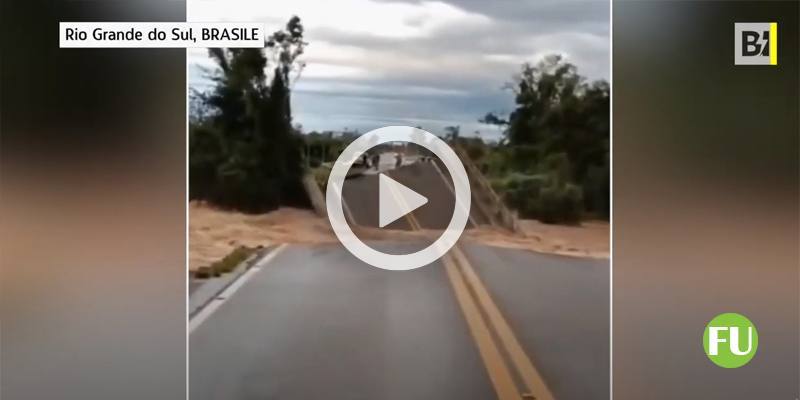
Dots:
pixel 395 200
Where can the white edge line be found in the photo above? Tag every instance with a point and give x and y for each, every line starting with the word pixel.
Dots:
pixel 226 294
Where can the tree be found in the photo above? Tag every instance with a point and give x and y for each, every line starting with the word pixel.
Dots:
pixel 559 130
pixel 492 119
pixel 198 107
pixel 245 153
pixel 452 132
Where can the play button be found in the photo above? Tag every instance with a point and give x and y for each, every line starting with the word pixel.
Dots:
pixel 395 200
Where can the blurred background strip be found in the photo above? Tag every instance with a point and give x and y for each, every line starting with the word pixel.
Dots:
pixel 92 179
pixel 705 199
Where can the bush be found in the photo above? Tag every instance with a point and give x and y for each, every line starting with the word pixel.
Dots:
pixel 205 154
pixel 226 264
pixel 524 158
pixel 558 129
pixel 560 204
pixel 520 190
pixel 496 162
pixel 596 188
pixel 542 197
pixel 231 261
pixel 475 147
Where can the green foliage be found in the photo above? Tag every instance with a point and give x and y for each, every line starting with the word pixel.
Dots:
pixel 597 190
pixel 225 265
pixel 560 204
pixel 206 153
pixel 324 147
pixel 492 119
pixel 232 260
pixel 474 146
pixel 452 132
pixel 243 151
pixel 559 130
pixel 522 192
pixel 542 196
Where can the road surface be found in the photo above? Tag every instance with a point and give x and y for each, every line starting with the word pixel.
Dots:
pixel 360 196
pixel 314 322
pixel 318 323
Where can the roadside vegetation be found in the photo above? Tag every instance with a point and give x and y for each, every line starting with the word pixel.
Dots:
pixel 322 149
pixel 553 161
pixel 245 154
pixel 226 264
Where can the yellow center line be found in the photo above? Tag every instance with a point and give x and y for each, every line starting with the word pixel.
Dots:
pixel 492 359
pixel 461 280
pixel 528 372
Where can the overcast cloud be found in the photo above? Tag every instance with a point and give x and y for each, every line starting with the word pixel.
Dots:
pixel 372 63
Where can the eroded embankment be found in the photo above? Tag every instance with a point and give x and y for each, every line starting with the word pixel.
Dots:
pixel 214 233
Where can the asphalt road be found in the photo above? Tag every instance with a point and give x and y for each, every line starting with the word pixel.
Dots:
pixel 360 194
pixel 559 308
pixel 360 199
pixel 318 323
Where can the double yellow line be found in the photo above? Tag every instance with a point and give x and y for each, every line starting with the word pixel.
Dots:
pixel 463 275
pixel 488 327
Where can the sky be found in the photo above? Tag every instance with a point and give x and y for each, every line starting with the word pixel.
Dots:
pixel 373 63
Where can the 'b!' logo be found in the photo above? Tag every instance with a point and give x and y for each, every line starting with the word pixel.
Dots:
pixel 730 340
pixel 756 43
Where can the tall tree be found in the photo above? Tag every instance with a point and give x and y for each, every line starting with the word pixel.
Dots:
pixel 560 129
pixel 246 155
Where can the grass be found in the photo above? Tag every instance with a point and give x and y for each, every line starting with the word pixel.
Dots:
pixel 226 264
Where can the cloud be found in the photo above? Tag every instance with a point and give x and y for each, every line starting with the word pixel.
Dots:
pixel 387 19
pixel 430 63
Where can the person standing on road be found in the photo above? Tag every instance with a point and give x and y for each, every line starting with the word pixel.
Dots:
pixel 376 160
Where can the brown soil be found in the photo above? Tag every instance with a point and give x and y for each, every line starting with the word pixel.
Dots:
pixel 590 239
pixel 214 233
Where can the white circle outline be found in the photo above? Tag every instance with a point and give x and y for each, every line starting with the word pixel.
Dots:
pixel 398 262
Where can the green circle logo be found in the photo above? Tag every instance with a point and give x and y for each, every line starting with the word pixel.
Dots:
pixel 730 340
